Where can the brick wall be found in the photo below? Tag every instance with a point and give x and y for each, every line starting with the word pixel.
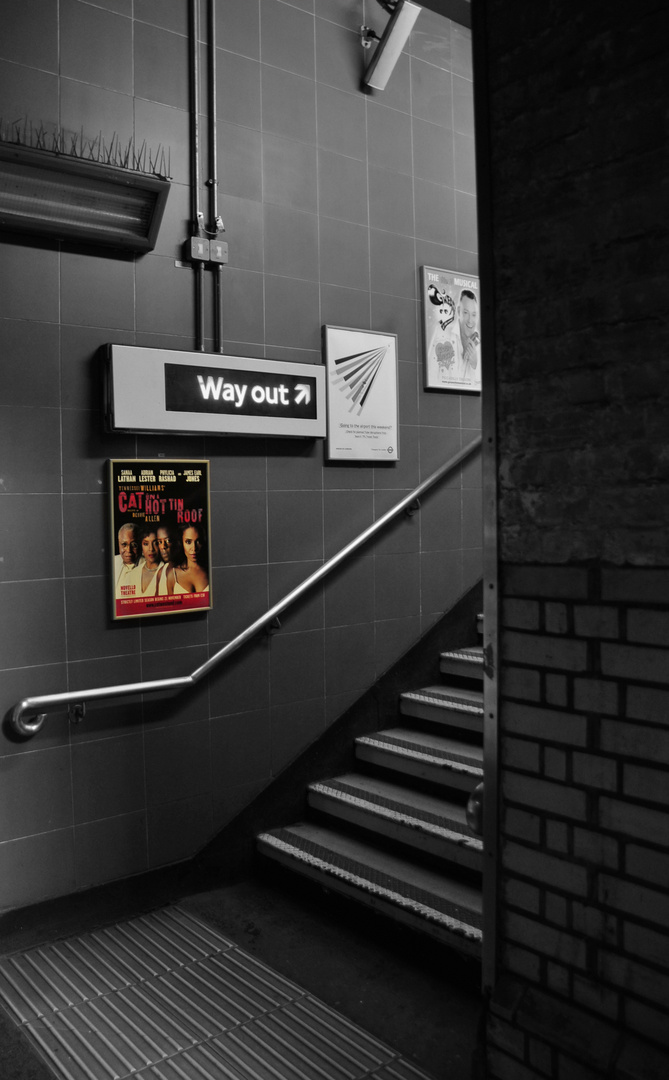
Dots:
pixel 584 784
pixel 572 141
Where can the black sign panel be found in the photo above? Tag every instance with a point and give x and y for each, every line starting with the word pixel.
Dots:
pixel 238 392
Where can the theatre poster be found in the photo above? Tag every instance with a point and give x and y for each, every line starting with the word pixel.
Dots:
pixel 362 397
pixel 451 330
pixel 160 543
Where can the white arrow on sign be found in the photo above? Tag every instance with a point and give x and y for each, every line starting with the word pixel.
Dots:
pixel 303 393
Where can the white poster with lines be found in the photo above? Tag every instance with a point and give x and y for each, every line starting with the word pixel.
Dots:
pixel 363 422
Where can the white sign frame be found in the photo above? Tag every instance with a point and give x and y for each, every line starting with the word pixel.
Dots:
pixel 362 394
pixel 136 396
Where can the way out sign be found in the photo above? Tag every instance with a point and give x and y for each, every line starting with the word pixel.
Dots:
pixel 155 390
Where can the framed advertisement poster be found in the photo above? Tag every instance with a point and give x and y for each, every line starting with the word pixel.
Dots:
pixel 363 421
pixel 160 542
pixel 451 334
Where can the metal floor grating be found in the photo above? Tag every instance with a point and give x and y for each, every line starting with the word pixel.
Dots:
pixel 166 997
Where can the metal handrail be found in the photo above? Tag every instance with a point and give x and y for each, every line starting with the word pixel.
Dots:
pixel 41 704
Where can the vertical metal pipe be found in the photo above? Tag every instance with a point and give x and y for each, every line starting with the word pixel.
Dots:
pixel 195 167
pixel 213 150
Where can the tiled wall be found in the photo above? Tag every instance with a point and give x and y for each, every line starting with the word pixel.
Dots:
pixel 332 199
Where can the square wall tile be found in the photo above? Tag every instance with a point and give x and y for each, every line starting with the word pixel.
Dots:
pixel 463 105
pixel 292 313
pixel 389 138
pixel 110 849
pixel 295 465
pixel 435 212
pixel 441 581
pixel 433 153
pixel 86 448
pixel 393 264
pixel 240 749
pixel 243 219
pixel 239 528
pixel 164 299
pixel 397 580
pixel 288 104
pixel 305 613
pixel 287 37
pixel 340 62
pixel 164 127
pixel 293 728
pixel 239 161
pixel 403 533
pixel 29 95
pixel 237 89
pixel 29 280
pixel 30 449
pixel 441 519
pixel 290 173
pixel 36 868
pixel 170 709
pixel 178 830
pixel 346 515
pixel 431 39
pixel 466 224
pixel 344 307
pixel 21 44
pixel 349 658
pixel 177 762
pixel 461 49
pixel 91 631
pixel 82 351
pixel 391 200
pixel 241 597
pixel 392 639
pixel 465 162
pixel 432 94
pixel 97 290
pixel 342 121
pixel 168 81
pixel 349 593
pixel 291 242
pixel 46 772
pixel 243 305
pixel 295 525
pixel 36 631
pixel 344 253
pixel 109 717
pixel 237 464
pixel 95 110
pixel 95 47
pixel 170 14
pixel 25 521
pixel 19 683
pixel 472 518
pixel 395 315
pixel 241 683
pixel 107 777
pixel 342 187
pixel 344 12
pixel 238 27
pixel 297 667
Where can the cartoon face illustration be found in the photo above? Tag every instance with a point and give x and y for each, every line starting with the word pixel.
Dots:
pixel 444 302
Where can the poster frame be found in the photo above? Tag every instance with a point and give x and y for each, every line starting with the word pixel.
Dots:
pixel 449 284
pixel 141 494
pixel 348 440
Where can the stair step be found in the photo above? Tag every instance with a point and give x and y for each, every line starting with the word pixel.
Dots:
pixel 443 705
pixel 467 662
pixel 438 758
pixel 448 910
pixel 428 824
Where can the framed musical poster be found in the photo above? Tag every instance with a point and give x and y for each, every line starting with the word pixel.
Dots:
pixel 160 561
pixel 362 395
pixel 451 333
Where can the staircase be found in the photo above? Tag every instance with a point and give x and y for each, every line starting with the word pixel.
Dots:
pixel 393 833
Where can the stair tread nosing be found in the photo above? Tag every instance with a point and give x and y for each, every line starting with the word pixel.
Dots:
pixel 438 748
pixel 398 880
pixel 445 697
pixel 406 806
pixel 473 653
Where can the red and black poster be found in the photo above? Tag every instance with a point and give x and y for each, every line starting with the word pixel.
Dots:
pixel 160 537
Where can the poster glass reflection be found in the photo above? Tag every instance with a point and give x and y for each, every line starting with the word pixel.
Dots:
pixel 451 330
